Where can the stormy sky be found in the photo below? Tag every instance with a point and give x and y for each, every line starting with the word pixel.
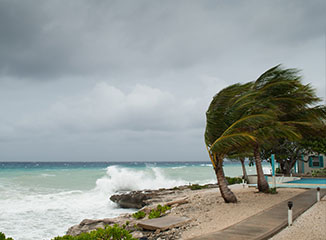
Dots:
pixel 131 80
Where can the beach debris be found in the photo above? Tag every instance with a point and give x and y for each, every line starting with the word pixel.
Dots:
pixel 177 202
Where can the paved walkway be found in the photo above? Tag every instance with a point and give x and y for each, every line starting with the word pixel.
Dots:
pixel 266 223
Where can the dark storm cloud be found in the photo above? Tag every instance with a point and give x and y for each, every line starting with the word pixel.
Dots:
pixel 49 39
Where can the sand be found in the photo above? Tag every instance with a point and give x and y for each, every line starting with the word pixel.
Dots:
pixel 210 213
pixel 310 225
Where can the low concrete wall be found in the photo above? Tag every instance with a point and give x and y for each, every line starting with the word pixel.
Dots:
pixel 279 179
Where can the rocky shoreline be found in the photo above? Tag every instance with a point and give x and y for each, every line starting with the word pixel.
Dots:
pixel 202 208
pixel 145 201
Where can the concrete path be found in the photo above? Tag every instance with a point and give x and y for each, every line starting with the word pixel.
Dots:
pixel 266 223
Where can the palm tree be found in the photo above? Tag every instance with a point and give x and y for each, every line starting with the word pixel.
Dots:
pixel 244 171
pixel 282 91
pixel 254 116
pixel 241 157
pixel 227 129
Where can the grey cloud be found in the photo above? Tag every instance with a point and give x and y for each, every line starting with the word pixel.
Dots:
pixel 49 39
pixel 85 80
pixel 107 108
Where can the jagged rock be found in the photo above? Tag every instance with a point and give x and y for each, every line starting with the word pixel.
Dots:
pixel 135 199
pixel 139 199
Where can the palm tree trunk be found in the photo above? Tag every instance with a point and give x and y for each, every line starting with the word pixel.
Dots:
pixel 261 181
pixel 226 193
pixel 245 176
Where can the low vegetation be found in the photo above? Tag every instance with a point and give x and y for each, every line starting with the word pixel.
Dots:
pixel 272 190
pixel 230 180
pixel 158 212
pixel 233 180
pixel 154 213
pixel 319 173
pixel 139 215
pixel 3 237
pixel 197 186
pixel 108 233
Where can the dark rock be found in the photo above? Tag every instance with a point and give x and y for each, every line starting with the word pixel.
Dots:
pixel 135 199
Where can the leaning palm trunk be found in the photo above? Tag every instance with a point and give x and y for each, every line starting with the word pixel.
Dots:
pixel 245 176
pixel 226 193
pixel 261 181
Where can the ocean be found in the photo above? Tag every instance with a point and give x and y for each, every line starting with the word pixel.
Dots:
pixel 41 200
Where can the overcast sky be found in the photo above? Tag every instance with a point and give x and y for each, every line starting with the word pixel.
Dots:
pixel 132 80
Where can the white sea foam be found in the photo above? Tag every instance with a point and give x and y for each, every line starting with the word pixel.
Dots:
pixel 124 179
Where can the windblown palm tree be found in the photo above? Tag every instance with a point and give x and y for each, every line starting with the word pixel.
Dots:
pixel 254 116
pixel 229 120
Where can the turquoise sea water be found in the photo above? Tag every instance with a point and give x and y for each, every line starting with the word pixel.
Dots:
pixel 42 200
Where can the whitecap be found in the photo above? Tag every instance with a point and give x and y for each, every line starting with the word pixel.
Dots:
pixel 178 167
pixel 47 175
pixel 206 165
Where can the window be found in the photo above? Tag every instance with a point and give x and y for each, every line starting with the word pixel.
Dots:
pixel 316 161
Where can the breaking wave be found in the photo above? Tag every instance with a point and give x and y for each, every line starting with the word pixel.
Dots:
pixel 119 179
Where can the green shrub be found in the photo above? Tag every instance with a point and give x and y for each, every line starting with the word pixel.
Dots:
pixel 272 190
pixel 233 180
pixel 139 215
pixel 108 233
pixel 3 237
pixel 319 173
pixel 197 187
pixel 156 213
